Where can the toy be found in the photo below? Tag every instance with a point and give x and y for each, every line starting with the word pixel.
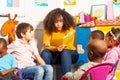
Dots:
pixel 8 28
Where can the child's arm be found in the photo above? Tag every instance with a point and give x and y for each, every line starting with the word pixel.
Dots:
pixel 7 71
pixel 39 59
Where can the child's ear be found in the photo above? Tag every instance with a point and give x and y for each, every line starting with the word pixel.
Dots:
pixel 22 34
pixel 91 53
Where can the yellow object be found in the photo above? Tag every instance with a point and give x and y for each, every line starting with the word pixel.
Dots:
pixel 77 19
pixel 117 74
pixel 60 38
pixel 106 28
pixel 99 12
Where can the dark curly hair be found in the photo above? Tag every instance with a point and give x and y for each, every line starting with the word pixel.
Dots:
pixel 114 34
pixel 52 16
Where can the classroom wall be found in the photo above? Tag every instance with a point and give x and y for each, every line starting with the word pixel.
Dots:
pixel 35 14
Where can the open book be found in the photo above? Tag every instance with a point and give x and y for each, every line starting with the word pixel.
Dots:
pixel 64 40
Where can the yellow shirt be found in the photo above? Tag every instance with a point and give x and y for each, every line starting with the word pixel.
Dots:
pixel 60 38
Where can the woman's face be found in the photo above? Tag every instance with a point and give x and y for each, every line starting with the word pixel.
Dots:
pixel 59 23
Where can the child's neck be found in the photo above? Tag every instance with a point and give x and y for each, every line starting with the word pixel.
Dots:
pixel 25 40
pixel 98 60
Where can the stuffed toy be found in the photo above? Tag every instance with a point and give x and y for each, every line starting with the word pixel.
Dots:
pixel 8 28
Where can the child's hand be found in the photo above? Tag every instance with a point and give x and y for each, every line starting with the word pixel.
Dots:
pixel 15 71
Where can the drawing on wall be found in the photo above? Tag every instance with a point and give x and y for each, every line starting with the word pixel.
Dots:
pixel 116 2
pixel 69 2
pixel 99 11
pixel 41 3
pixel 13 7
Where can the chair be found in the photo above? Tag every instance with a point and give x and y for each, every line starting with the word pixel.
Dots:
pixel 115 68
pixel 20 75
pixel 98 72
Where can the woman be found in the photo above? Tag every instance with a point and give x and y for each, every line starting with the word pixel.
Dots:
pixel 58 39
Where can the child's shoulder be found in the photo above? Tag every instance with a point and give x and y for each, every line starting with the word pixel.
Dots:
pixel 113 50
pixel 9 54
pixel 116 49
pixel 88 65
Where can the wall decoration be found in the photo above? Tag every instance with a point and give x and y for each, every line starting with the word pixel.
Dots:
pixel 69 2
pixel 12 7
pixel 41 3
pixel 99 11
pixel 116 2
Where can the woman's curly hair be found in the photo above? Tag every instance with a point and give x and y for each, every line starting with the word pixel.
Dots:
pixel 52 16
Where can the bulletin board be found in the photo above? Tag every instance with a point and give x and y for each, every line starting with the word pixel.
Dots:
pixel 13 7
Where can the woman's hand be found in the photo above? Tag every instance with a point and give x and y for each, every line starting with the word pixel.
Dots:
pixel 60 48
pixel 47 44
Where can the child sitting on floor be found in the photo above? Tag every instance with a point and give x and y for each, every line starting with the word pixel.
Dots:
pixel 8 63
pixel 96 50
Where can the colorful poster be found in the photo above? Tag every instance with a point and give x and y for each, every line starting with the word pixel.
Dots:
pixel 13 7
pixel 69 2
pixel 9 3
pixel 116 2
pixel 41 3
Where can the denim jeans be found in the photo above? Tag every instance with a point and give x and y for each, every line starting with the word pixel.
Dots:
pixel 66 58
pixel 39 72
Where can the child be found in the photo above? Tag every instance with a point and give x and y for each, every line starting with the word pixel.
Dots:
pixel 58 39
pixel 8 63
pixel 25 52
pixel 113 52
pixel 96 50
pixel 96 34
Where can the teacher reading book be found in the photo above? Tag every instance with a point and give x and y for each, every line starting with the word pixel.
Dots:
pixel 58 39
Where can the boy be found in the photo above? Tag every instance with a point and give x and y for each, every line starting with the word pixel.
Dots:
pixel 25 52
pixel 8 63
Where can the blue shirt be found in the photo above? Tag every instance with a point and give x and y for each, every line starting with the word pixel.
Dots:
pixel 7 62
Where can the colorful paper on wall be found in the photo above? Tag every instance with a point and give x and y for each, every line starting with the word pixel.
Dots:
pixel 16 3
pixel 41 3
pixel 69 2
pixel 13 7
pixel 116 2
pixel 10 3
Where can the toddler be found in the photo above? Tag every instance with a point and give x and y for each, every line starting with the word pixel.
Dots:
pixel 96 50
